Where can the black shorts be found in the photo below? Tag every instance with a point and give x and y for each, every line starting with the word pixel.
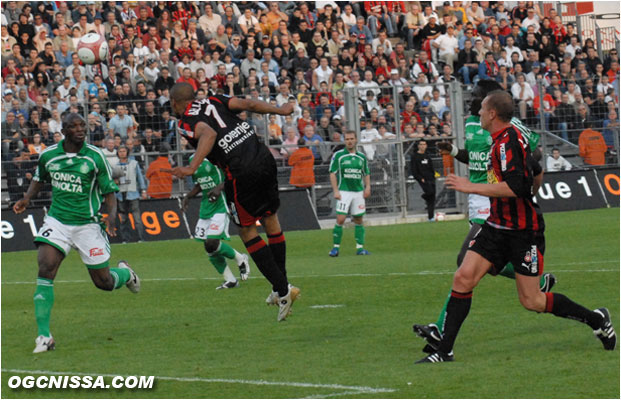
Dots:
pixel 253 195
pixel 523 249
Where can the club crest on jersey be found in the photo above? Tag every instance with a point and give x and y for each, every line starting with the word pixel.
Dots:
pixel 472 242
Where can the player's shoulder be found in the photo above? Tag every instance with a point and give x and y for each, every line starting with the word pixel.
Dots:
pixel 51 151
pixel 360 154
pixel 338 154
pixel 94 151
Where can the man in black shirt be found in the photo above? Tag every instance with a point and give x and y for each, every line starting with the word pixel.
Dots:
pixel 422 170
pixel 213 127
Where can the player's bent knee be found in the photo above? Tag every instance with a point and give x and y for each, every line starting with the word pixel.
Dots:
pixel 211 245
pixel 463 281
pixel 533 303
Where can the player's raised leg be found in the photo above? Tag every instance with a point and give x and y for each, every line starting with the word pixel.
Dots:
pixel 561 306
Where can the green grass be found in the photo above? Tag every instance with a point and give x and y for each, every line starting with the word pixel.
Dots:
pixel 186 329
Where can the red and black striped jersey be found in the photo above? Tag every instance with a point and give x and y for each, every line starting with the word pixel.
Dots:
pixel 510 161
pixel 237 148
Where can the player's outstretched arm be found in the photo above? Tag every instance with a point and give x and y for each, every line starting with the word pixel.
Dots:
pixel 34 188
pixel 257 106
pixel 460 155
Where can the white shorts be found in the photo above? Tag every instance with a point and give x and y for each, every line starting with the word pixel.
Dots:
pixel 216 227
pixel 351 203
pixel 478 208
pixel 90 240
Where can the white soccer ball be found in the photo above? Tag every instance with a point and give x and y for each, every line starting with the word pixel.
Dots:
pixel 440 216
pixel 92 48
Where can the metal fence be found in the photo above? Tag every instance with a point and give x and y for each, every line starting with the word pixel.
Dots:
pixel 394 191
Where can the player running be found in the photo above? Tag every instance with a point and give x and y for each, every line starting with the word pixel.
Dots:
pixel 513 232
pixel 351 184
pixel 476 155
pixel 213 224
pixel 80 175
pixel 212 126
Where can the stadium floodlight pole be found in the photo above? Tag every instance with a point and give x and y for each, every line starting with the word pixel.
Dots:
pixel 457 120
pixel 598 40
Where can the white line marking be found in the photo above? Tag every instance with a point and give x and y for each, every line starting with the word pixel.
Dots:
pixel 328 306
pixel 353 389
pixel 353 275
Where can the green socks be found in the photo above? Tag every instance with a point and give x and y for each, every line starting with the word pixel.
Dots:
pixel 43 302
pixel 218 262
pixel 359 235
pixel 442 316
pixel 337 235
pixel 226 251
pixel 218 259
pixel 121 276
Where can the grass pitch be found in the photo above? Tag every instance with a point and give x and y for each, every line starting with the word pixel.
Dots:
pixel 350 334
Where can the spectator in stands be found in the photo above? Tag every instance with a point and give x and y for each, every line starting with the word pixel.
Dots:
pixel 302 160
pixel 611 129
pixel 160 183
pixel 132 188
pixel 121 123
pixel 19 173
pixel 592 146
pixel 10 134
pixel 448 46
pixel 556 162
pixel 314 141
pixel 565 115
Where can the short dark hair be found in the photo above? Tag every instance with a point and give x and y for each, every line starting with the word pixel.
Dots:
pixel 501 102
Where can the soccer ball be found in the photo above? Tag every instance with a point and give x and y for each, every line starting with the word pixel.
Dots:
pixel 440 216
pixel 92 48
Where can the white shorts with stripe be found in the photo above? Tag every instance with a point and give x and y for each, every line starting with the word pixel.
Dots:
pixel 478 208
pixel 351 203
pixel 216 227
pixel 90 240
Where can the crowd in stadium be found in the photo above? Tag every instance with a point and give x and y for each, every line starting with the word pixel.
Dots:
pixel 301 52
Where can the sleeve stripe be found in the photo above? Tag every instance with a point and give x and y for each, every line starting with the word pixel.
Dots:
pixel 103 157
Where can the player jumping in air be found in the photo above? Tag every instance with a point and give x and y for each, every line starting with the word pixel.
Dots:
pixel 212 126
pixel 351 184
pixel 80 175
pixel 213 224
pixel 514 232
pixel 476 154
